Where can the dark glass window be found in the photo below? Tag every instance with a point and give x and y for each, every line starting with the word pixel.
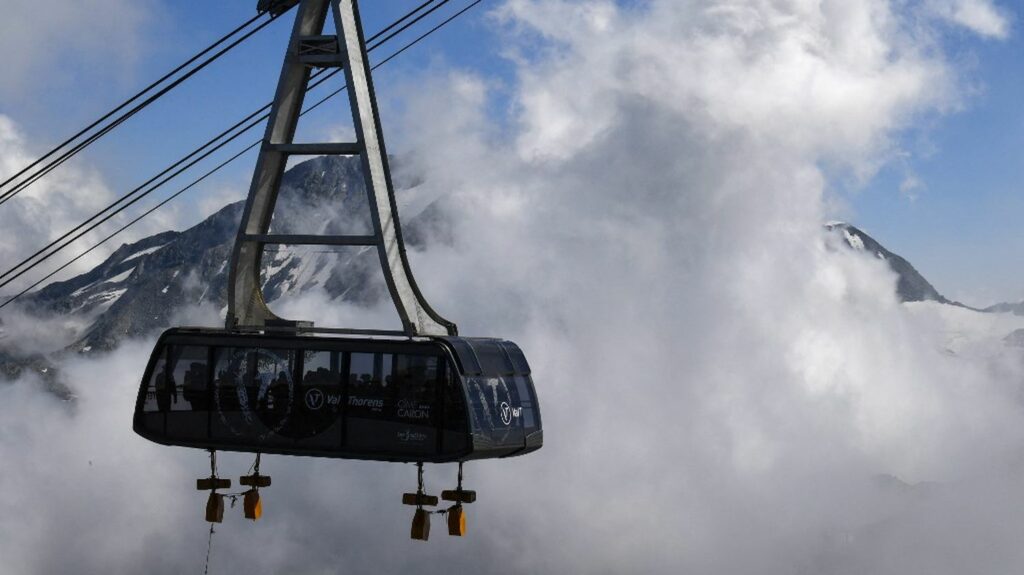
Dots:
pixel 456 426
pixel 188 374
pixel 272 392
pixel 492 359
pixel 366 397
pixel 318 397
pixel 467 357
pixel 156 387
pixel 391 409
pixel 518 359
pixel 414 383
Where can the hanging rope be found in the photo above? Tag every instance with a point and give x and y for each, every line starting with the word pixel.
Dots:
pixel 209 546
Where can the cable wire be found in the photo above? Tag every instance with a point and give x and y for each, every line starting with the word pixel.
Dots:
pixel 17 188
pixel 210 172
pixel 132 99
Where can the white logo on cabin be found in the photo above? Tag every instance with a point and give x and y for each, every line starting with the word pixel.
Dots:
pixel 314 399
pixel 508 412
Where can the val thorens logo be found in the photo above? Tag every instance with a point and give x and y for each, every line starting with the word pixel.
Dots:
pixel 508 412
pixel 314 399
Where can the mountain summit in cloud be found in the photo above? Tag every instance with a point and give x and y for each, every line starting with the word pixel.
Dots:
pixel 911 285
pixel 145 286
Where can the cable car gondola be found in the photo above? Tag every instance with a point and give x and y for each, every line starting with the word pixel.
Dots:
pixel 264 384
pixel 441 399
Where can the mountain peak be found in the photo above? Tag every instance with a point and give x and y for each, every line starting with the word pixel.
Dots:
pixel 911 285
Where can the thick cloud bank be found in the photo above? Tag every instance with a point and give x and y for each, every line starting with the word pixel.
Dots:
pixel 44 211
pixel 724 391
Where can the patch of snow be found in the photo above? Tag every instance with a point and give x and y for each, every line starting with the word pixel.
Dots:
pixel 855 241
pixel 144 252
pixel 834 223
pixel 280 261
pixel 82 289
pixel 165 289
pixel 880 256
pixel 120 277
pixel 87 349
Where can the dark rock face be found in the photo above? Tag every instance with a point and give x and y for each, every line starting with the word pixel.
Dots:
pixel 911 285
pixel 141 287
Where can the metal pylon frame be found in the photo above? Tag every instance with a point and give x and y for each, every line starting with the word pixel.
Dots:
pixel 307 49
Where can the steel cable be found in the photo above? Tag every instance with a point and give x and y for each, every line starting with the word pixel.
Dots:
pixel 22 264
pixel 36 176
pixel 207 174
pixel 125 104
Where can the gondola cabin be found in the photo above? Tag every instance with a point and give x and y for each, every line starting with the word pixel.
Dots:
pixel 427 399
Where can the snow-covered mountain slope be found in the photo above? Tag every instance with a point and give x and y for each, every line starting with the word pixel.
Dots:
pixel 911 285
pixel 141 287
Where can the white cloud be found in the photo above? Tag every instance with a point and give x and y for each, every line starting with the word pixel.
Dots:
pixel 47 209
pixel 52 206
pixel 41 46
pixel 722 390
pixel 979 16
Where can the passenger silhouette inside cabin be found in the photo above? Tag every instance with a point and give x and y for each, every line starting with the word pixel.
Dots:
pixel 278 397
pixel 166 392
pixel 194 388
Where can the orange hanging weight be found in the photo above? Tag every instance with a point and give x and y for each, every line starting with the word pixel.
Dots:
pixel 456 521
pixel 252 505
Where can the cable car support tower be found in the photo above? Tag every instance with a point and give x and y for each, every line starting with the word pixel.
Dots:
pixel 309 48
pixel 456 399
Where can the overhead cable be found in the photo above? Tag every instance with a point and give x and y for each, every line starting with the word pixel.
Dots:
pixel 46 169
pixel 203 156
pixel 53 164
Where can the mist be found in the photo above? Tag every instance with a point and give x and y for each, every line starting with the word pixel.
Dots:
pixel 724 388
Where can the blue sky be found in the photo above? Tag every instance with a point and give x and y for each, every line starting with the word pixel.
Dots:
pixel 959 225
pixel 962 227
pixel 650 215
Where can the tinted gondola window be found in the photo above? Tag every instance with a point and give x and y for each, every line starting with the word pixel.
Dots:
pixel 319 399
pixel 366 403
pixel 366 397
pixel 391 404
pixel 531 415
pixel 234 369
pixel 492 358
pixel 253 394
pixel 151 401
pixel 188 375
pixel 456 425
pixel 496 411
pixel 414 383
pixel 186 394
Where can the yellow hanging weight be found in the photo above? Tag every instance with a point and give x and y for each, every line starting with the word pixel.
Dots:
pixel 252 505
pixel 456 521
